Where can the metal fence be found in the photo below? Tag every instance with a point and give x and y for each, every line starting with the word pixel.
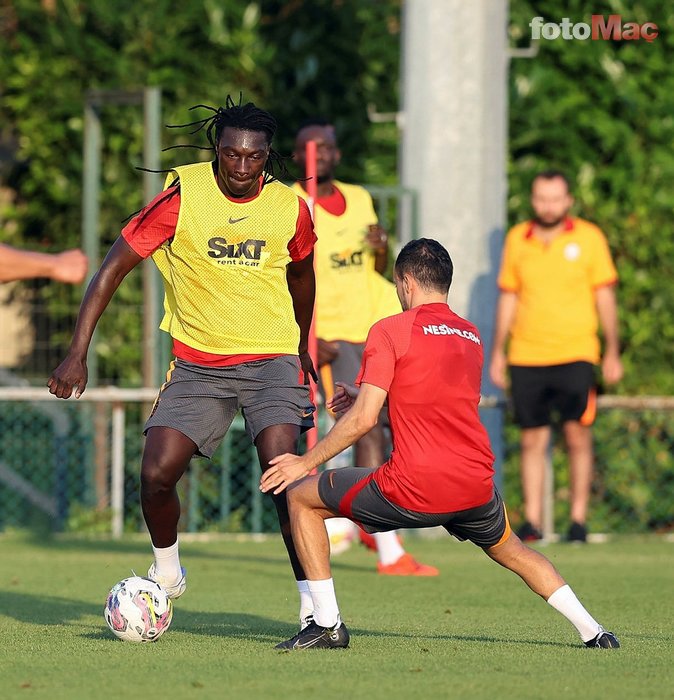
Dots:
pixel 56 459
pixel 74 465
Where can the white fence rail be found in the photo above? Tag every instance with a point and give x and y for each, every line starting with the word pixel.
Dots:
pixel 118 398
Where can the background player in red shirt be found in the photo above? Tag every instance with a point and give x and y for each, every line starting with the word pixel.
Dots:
pixel 351 257
pixel 427 362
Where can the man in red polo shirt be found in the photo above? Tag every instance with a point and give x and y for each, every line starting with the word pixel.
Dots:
pixel 557 285
pixel 427 363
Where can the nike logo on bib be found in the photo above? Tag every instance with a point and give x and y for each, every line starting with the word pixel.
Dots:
pixel 236 221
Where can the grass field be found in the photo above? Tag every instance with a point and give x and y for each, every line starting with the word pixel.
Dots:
pixel 475 631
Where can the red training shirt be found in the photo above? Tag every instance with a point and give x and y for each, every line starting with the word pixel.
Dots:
pixel 156 223
pixel 429 360
pixel 334 203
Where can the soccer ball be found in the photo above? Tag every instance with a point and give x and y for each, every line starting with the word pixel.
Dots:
pixel 342 533
pixel 138 610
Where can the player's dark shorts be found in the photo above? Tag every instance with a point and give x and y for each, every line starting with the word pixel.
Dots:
pixel 201 402
pixel 353 493
pixel 344 368
pixel 564 391
pixel 346 365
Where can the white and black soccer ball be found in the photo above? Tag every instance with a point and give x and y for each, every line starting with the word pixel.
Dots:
pixel 138 610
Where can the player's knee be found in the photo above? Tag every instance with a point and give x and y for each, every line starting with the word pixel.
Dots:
pixel 302 497
pixel 578 438
pixel 158 474
pixel 295 499
pixel 534 440
pixel 506 551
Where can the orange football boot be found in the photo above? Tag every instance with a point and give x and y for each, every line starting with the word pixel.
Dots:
pixel 407 565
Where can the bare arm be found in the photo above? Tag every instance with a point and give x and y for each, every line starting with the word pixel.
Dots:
pixel 607 311
pixel 343 398
pixel 355 423
pixel 328 351
pixel 119 261
pixel 302 288
pixel 505 315
pixel 70 266
pixel 377 239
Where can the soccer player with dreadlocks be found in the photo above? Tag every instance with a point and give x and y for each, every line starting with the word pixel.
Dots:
pixel 235 249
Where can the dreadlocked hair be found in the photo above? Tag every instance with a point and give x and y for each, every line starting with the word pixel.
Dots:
pixel 247 117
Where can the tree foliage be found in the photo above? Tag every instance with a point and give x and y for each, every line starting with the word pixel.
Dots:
pixel 297 59
pixel 602 111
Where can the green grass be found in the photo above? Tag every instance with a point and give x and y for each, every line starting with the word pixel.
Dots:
pixel 475 631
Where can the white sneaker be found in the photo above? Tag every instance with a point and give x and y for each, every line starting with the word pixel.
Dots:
pixel 172 590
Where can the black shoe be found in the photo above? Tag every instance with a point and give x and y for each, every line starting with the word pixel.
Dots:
pixel 528 533
pixel 316 637
pixel 306 621
pixel 577 533
pixel 604 640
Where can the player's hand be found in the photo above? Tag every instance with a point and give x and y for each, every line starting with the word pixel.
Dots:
pixel 376 237
pixel 327 351
pixel 612 368
pixel 307 365
pixel 497 370
pixel 283 471
pixel 71 373
pixel 70 266
pixel 343 398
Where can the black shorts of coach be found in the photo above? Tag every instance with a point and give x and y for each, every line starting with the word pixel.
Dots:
pixel 565 392
pixel 353 493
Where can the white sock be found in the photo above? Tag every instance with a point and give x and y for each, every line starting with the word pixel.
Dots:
pixel 326 612
pixel 306 603
pixel 389 549
pixel 167 562
pixel 564 601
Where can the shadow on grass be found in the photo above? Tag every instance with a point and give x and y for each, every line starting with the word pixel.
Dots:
pixel 45 609
pixel 253 627
pixel 53 610
pixel 482 639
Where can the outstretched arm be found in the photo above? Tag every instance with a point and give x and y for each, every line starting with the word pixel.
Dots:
pixel 356 422
pixel 119 261
pixel 302 288
pixel 70 266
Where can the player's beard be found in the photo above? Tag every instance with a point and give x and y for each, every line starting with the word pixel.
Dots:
pixel 547 224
